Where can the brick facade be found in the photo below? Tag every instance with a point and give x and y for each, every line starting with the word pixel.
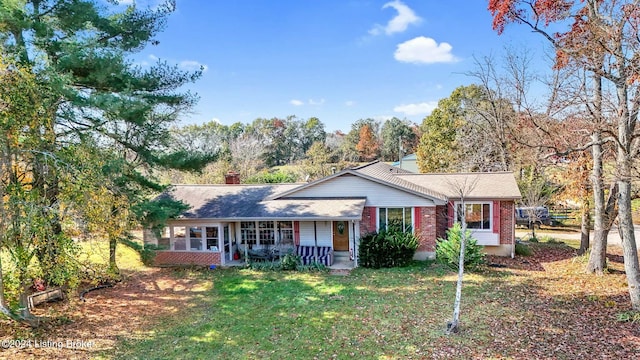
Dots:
pixel 187 258
pixel 428 229
pixel 507 209
pixel 368 222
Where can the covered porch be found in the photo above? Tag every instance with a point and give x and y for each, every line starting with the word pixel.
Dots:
pixel 314 227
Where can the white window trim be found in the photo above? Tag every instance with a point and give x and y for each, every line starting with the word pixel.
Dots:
pixel 413 220
pixel 455 213
pixel 276 234
pixel 203 237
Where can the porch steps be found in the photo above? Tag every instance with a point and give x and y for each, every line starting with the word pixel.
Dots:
pixel 342 265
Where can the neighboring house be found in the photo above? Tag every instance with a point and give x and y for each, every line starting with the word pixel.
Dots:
pixel 408 162
pixel 335 212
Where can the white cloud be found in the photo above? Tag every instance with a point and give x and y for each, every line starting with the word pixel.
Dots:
pixel 349 103
pixel 216 120
pixel 191 65
pixel 314 102
pixel 400 22
pixel 424 50
pixel 416 109
pixel 382 118
pixel 295 102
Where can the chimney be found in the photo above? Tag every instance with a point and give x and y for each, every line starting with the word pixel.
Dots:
pixel 232 178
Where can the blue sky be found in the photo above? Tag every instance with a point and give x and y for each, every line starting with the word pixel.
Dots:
pixel 338 60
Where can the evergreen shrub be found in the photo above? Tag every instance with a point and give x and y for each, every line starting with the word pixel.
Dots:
pixel 390 247
pixel 448 250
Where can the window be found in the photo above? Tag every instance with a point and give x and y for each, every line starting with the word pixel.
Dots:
pixel 477 215
pixel 164 241
pixel 248 232
pixel 212 237
pixel 179 238
pixel 195 238
pixel 266 232
pixel 400 217
pixel 285 229
pixel 192 238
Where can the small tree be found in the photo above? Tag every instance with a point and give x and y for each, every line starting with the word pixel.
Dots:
pixel 448 250
pixel 462 189
pixel 536 193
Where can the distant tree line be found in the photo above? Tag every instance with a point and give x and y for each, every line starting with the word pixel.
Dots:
pixel 304 144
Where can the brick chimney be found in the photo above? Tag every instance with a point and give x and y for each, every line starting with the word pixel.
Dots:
pixel 232 178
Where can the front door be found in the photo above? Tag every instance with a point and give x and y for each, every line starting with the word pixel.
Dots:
pixel 341 236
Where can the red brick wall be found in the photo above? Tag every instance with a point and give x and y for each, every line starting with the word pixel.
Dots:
pixel 187 258
pixel 428 228
pixel 507 209
pixel 368 222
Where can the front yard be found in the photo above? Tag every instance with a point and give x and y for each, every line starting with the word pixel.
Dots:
pixel 535 307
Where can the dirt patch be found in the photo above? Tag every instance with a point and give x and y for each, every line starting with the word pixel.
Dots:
pixel 557 303
pixel 82 329
pixel 541 254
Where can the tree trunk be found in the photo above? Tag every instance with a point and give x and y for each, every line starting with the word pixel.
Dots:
pixel 627 236
pixel 585 226
pixel 25 315
pixel 113 266
pixel 2 302
pixel 453 326
pixel 532 225
pixel 597 258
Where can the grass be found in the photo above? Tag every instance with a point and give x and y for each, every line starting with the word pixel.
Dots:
pixel 540 306
pixel 371 313
pixel 96 251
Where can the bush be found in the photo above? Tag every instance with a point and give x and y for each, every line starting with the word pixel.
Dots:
pixel 313 267
pixel 147 251
pixel 388 248
pixel 448 250
pixel 265 265
pixel 523 250
pixel 290 262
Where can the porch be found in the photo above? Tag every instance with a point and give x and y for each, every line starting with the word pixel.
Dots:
pixel 341 261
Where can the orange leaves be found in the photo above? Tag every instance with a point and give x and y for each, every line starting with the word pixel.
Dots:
pixel 548 11
pixel 552 10
pixel 368 144
pixel 503 12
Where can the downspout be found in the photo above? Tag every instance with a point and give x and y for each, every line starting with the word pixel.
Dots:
pixel 513 233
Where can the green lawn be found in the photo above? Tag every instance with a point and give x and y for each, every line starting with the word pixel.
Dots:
pixel 543 306
pixel 397 313
pixel 369 313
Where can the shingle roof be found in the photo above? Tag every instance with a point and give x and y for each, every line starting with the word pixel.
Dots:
pixel 497 185
pixel 248 202
pixel 239 202
pixel 393 175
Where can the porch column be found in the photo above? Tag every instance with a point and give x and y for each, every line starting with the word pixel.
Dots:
pixel 315 240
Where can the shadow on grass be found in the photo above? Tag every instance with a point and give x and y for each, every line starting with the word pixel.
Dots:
pixel 389 313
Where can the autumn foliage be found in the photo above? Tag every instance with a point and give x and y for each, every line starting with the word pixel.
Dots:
pixel 367 146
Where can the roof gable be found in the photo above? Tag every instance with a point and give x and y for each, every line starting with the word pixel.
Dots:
pixel 377 172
